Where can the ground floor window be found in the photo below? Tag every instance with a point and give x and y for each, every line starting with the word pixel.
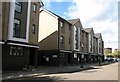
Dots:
pixel 16 51
pixel 75 55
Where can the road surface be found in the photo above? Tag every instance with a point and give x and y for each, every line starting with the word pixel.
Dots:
pixel 106 72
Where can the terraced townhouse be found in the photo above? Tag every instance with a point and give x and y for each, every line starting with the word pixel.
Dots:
pixel 100 45
pixel 54 39
pixel 64 42
pixel 76 31
pixel 20 24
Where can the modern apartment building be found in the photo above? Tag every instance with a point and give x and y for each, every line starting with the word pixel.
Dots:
pixel 20 24
pixel 54 39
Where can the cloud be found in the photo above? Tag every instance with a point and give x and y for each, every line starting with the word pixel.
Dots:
pixel 102 15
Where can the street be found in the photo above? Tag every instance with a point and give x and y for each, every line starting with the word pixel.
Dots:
pixel 107 72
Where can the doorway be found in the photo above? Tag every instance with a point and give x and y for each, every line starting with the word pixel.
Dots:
pixel 32 56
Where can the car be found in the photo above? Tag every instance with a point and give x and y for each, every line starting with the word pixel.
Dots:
pixel 110 59
pixel 118 59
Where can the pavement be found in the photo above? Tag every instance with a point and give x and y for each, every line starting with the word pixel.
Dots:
pixel 44 70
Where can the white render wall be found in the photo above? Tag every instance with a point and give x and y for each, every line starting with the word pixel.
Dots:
pixel 48 24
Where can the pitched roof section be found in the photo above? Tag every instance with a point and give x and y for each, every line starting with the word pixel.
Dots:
pixel 53 14
pixel 87 29
pixel 73 21
pixel 97 35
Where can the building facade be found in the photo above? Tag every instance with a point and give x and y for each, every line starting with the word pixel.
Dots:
pixel 54 39
pixel 20 24
pixel 100 46
pixel 66 42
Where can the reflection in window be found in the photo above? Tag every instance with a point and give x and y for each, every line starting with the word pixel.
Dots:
pixel 18 6
pixel 16 28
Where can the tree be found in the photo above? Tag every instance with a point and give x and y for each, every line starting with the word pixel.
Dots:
pixel 116 53
pixel 107 52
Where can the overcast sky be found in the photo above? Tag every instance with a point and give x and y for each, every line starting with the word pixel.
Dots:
pixel 102 15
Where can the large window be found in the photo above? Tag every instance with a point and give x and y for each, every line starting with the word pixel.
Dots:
pixel 16 51
pixel 34 7
pixel 33 29
pixel 16 28
pixel 61 39
pixel 18 6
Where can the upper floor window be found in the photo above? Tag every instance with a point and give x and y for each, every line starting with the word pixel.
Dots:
pixel 76 45
pixel 16 28
pixel 34 7
pixel 61 24
pixel 82 34
pixel 18 6
pixel 69 40
pixel 33 29
pixel 61 39
pixel 82 44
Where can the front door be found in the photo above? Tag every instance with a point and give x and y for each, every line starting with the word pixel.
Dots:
pixel 32 52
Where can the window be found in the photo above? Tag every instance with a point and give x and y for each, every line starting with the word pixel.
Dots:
pixel 19 51
pixel 69 40
pixel 16 51
pixel 82 44
pixel 34 7
pixel 76 45
pixel 69 27
pixel 61 24
pixel 18 6
pixel 61 39
pixel 75 55
pixel 16 28
pixel 33 29
pixel 12 50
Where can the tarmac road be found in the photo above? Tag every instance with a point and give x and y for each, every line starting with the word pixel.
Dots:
pixel 107 72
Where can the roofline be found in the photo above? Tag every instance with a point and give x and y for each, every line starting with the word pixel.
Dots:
pixel 53 14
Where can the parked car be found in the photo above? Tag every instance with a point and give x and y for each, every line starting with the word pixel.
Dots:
pixel 117 59
pixel 110 59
